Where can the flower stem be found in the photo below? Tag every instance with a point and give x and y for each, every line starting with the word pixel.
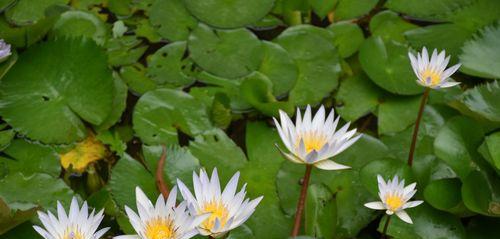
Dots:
pixel 417 126
pixel 302 200
pixel 384 233
pixel 160 182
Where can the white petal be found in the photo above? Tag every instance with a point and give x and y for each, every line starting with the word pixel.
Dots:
pixel 449 84
pixel 127 237
pixel 375 205
pixel 448 72
pixel 404 216
pixel 330 165
pixel 412 204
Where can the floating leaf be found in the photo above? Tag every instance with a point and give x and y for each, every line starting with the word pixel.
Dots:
pixel 230 13
pixel 456 144
pixel 83 154
pixel 26 35
pixel 357 96
pixel 444 194
pixel 171 19
pixel 347 37
pixel 226 53
pixel 320 213
pixel 426 9
pixel 81 24
pixel 279 67
pixel 29 158
pixel 347 9
pixel 397 113
pixel 135 77
pixel 45 87
pixel 168 66
pixel 480 55
pixel 427 223
pixel 387 64
pixel 125 50
pixel 128 174
pixel 159 113
pixel 481 193
pixel 256 90
pixel 484 100
pixel 317 59
pixel 26 12
pixel 322 7
pixel 390 26
pixel 216 149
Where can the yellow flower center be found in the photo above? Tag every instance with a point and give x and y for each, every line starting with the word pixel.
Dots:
pixel 72 233
pixel 431 77
pixel 160 228
pixel 218 211
pixel 394 202
pixel 312 141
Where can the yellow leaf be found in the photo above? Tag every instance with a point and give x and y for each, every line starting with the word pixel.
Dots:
pixel 83 154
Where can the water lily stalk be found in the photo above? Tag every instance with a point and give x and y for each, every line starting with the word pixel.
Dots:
pixel 384 232
pixel 302 200
pixel 160 181
pixel 417 126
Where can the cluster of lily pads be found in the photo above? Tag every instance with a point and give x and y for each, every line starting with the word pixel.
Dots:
pixel 94 93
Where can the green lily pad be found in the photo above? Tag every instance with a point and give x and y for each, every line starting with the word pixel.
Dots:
pixel 479 56
pixel 397 113
pixel 29 158
pixel 492 147
pixel 263 164
pixel 390 26
pixel 168 66
pixel 135 77
pixel 387 168
pixel 279 67
pixel 229 13
pixel 45 87
pixel 27 12
pixel 347 37
pixel 125 50
pixel 126 175
pixel 387 64
pixel 226 53
pixel 456 144
pixel 159 113
pixel 347 9
pixel 357 96
pixel 256 90
pixel 444 194
pixel 81 24
pixel 435 10
pixel 318 61
pixel 216 149
pixel 179 163
pixel 24 231
pixel 322 7
pixel 119 104
pixel 428 223
pixel 447 36
pixel 4 4
pixel 320 213
pixel 484 100
pixel 481 193
pixel 39 190
pixel 171 19
pixel 26 35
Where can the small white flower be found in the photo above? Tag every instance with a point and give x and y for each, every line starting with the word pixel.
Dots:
pixel 314 140
pixel 228 210
pixel 77 225
pixel 395 198
pixel 5 51
pixel 433 73
pixel 164 220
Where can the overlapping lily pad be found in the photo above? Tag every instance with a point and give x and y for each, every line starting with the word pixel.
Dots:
pixel 45 88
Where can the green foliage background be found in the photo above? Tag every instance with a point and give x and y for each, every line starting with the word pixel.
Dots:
pixel 205 78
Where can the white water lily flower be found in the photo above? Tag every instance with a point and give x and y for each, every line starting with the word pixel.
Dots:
pixel 77 225
pixel 314 140
pixel 5 50
pixel 395 198
pixel 164 220
pixel 432 72
pixel 228 210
